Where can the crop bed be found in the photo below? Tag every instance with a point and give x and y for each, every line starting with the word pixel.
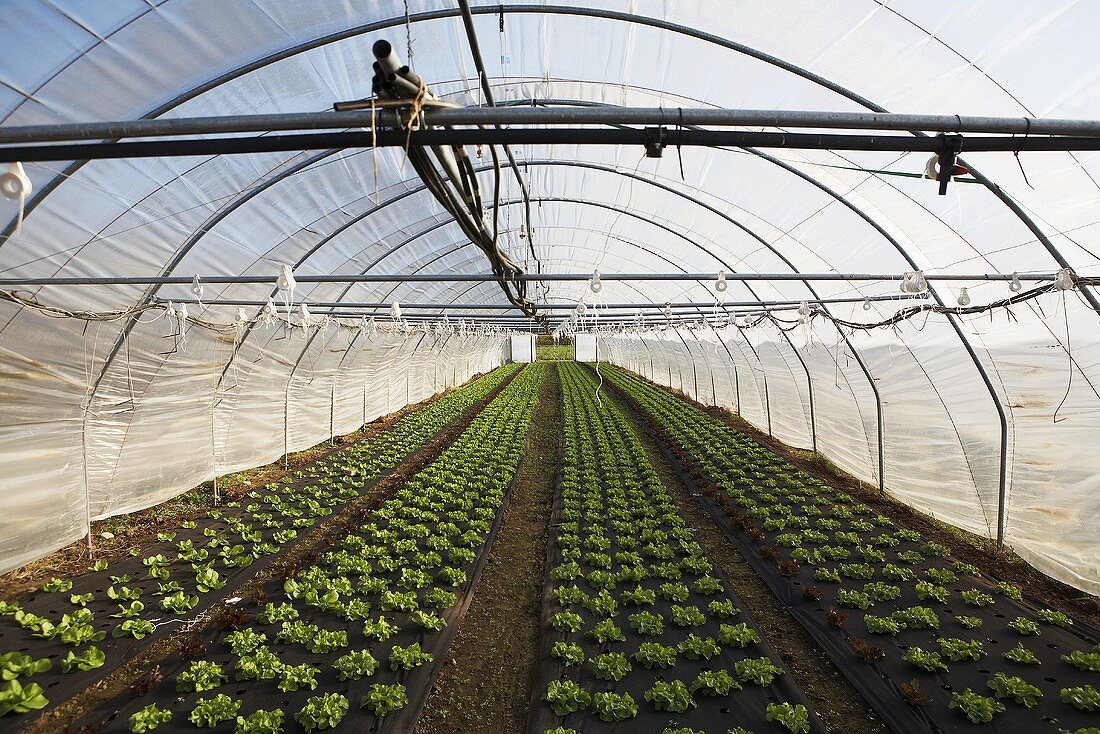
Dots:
pixel 64 637
pixel 931 642
pixel 638 626
pixel 354 637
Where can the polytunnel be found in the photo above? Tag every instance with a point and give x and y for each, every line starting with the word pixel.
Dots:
pixel 865 228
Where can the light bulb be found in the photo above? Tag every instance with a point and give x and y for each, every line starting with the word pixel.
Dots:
pixel 270 311
pixel 721 285
pixel 964 297
pixel 866 304
pixel 285 281
pixel 1015 285
pixel 1064 280
pixel 595 285
pixel 582 308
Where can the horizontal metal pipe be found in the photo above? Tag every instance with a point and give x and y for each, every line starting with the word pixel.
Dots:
pixel 489 277
pixel 164 127
pixel 527 136
pixel 697 306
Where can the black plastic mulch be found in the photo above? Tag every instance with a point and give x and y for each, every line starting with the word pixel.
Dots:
pixel 714 715
pixel 114 715
pixel 880 682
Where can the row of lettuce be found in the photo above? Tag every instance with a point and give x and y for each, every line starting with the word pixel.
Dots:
pixel 640 621
pixel 895 595
pixel 87 625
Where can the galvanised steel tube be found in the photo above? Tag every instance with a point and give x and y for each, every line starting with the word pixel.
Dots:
pixel 533 116
pixel 648 137
pixel 487 277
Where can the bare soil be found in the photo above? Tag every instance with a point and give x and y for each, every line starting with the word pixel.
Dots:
pixel 486 684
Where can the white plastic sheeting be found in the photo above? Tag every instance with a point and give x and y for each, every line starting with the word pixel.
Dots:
pixel 157 420
pixel 174 410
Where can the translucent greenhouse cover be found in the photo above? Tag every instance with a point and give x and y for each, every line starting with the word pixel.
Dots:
pixel 104 417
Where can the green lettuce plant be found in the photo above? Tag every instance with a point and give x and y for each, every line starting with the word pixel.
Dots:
pixel 148 719
pixel 382 700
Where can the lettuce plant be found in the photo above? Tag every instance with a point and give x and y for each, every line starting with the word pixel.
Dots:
pixel 259 664
pixel 90 659
pixel 761 671
pixel 17 665
pixel 956 649
pixel 409 657
pixel 795 719
pixel 1085 698
pixel 611 666
pixel 57 585
pixel 148 719
pixel 737 635
pixel 136 628
pixel 1050 616
pixel 297 677
pixel 714 683
pixel 203 675
pixel 382 700
pixel 672 696
pixel 1015 688
pixel 930 662
pixel 565 697
pixel 1021 655
pixel 178 603
pixel 979 709
pixel 655 655
pixel 16 698
pixel 260 722
pixel 209 712
pixel 614 706
pixel 1087 661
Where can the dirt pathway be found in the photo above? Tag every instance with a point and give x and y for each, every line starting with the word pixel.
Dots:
pixel 486 684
